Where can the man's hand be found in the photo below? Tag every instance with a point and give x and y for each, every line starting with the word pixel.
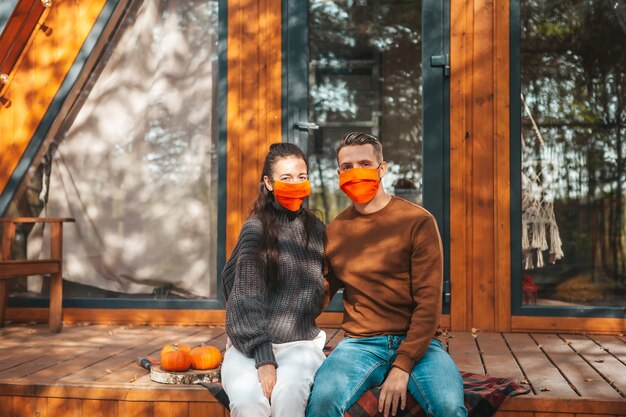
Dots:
pixel 267 377
pixel 393 392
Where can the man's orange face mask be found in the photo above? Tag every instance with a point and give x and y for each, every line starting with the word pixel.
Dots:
pixel 291 195
pixel 360 184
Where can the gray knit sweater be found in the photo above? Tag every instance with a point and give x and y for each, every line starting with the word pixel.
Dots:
pixel 257 317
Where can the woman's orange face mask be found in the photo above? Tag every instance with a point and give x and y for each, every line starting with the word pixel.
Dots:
pixel 360 184
pixel 291 195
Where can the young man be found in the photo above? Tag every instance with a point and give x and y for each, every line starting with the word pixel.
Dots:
pixel 386 253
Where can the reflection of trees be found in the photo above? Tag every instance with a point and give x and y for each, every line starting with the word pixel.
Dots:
pixel 365 74
pixel 574 80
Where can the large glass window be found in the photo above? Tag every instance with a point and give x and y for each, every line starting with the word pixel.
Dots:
pixel 137 165
pixel 365 74
pixel 573 142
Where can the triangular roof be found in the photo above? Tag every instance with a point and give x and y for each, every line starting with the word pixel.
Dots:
pixel 44 83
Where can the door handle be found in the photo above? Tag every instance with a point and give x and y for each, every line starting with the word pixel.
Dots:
pixel 442 61
pixel 306 126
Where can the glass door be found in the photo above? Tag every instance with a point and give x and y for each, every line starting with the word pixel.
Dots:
pixel 377 66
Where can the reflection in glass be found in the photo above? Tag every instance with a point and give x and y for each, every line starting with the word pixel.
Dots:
pixel 365 74
pixel 573 147
pixel 138 167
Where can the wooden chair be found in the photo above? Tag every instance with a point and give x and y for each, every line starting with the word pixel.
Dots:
pixel 52 267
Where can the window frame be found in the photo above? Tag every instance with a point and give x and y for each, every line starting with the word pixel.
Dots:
pixel 517 308
pixel 435 83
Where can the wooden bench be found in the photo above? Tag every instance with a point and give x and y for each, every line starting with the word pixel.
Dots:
pixel 53 266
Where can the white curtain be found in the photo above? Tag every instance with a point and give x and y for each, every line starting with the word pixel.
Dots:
pixel 137 168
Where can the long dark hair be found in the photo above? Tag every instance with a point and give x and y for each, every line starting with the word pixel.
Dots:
pixel 266 211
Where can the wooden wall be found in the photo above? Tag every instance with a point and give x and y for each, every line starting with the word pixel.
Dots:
pixel 480 183
pixel 35 81
pixel 479 140
pixel 254 102
pixel 479 165
pixel 88 402
pixel 27 406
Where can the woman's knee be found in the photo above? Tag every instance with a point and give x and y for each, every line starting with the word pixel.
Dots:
pixel 294 390
pixel 289 399
pixel 251 405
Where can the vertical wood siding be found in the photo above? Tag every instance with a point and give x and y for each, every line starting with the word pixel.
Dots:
pixel 21 405
pixel 254 102
pixel 479 164
pixel 25 406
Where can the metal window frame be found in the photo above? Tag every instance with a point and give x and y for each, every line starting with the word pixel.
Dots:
pixel 517 308
pixel 216 303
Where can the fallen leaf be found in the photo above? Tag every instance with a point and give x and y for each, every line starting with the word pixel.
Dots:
pixel 599 360
pixel 523 381
pixel 544 389
pixel 108 371
pixel 134 378
pixel 588 379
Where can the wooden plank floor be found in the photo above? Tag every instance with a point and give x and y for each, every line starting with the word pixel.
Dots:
pixel 92 371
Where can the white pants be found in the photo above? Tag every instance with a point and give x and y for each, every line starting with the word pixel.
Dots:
pixel 297 364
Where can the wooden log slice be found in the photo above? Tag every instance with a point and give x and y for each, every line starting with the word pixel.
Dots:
pixel 190 377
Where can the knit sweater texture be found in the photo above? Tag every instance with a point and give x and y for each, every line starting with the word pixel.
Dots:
pixel 390 264
pixel 257 316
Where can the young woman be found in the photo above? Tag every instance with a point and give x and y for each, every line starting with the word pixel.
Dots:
pixel 273 287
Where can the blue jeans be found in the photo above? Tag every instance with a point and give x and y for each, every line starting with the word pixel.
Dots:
pixel 358 364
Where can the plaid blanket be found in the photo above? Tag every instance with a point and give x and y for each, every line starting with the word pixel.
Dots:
pixel 483 396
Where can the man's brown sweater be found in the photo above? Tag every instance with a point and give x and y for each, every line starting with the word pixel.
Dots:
pixel 390 264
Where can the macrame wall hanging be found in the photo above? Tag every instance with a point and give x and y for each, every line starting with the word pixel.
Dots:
pixel 540 232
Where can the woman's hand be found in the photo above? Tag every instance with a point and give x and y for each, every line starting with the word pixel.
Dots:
pixel 267 377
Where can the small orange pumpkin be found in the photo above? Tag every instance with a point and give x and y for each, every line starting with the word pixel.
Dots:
pixel 175 357
pixel 175 347
pixel 205 357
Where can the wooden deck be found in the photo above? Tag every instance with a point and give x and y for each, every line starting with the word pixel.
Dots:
pixel 91 371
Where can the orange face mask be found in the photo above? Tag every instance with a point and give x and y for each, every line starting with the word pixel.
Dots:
pixel 291 195
pixel 360 184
